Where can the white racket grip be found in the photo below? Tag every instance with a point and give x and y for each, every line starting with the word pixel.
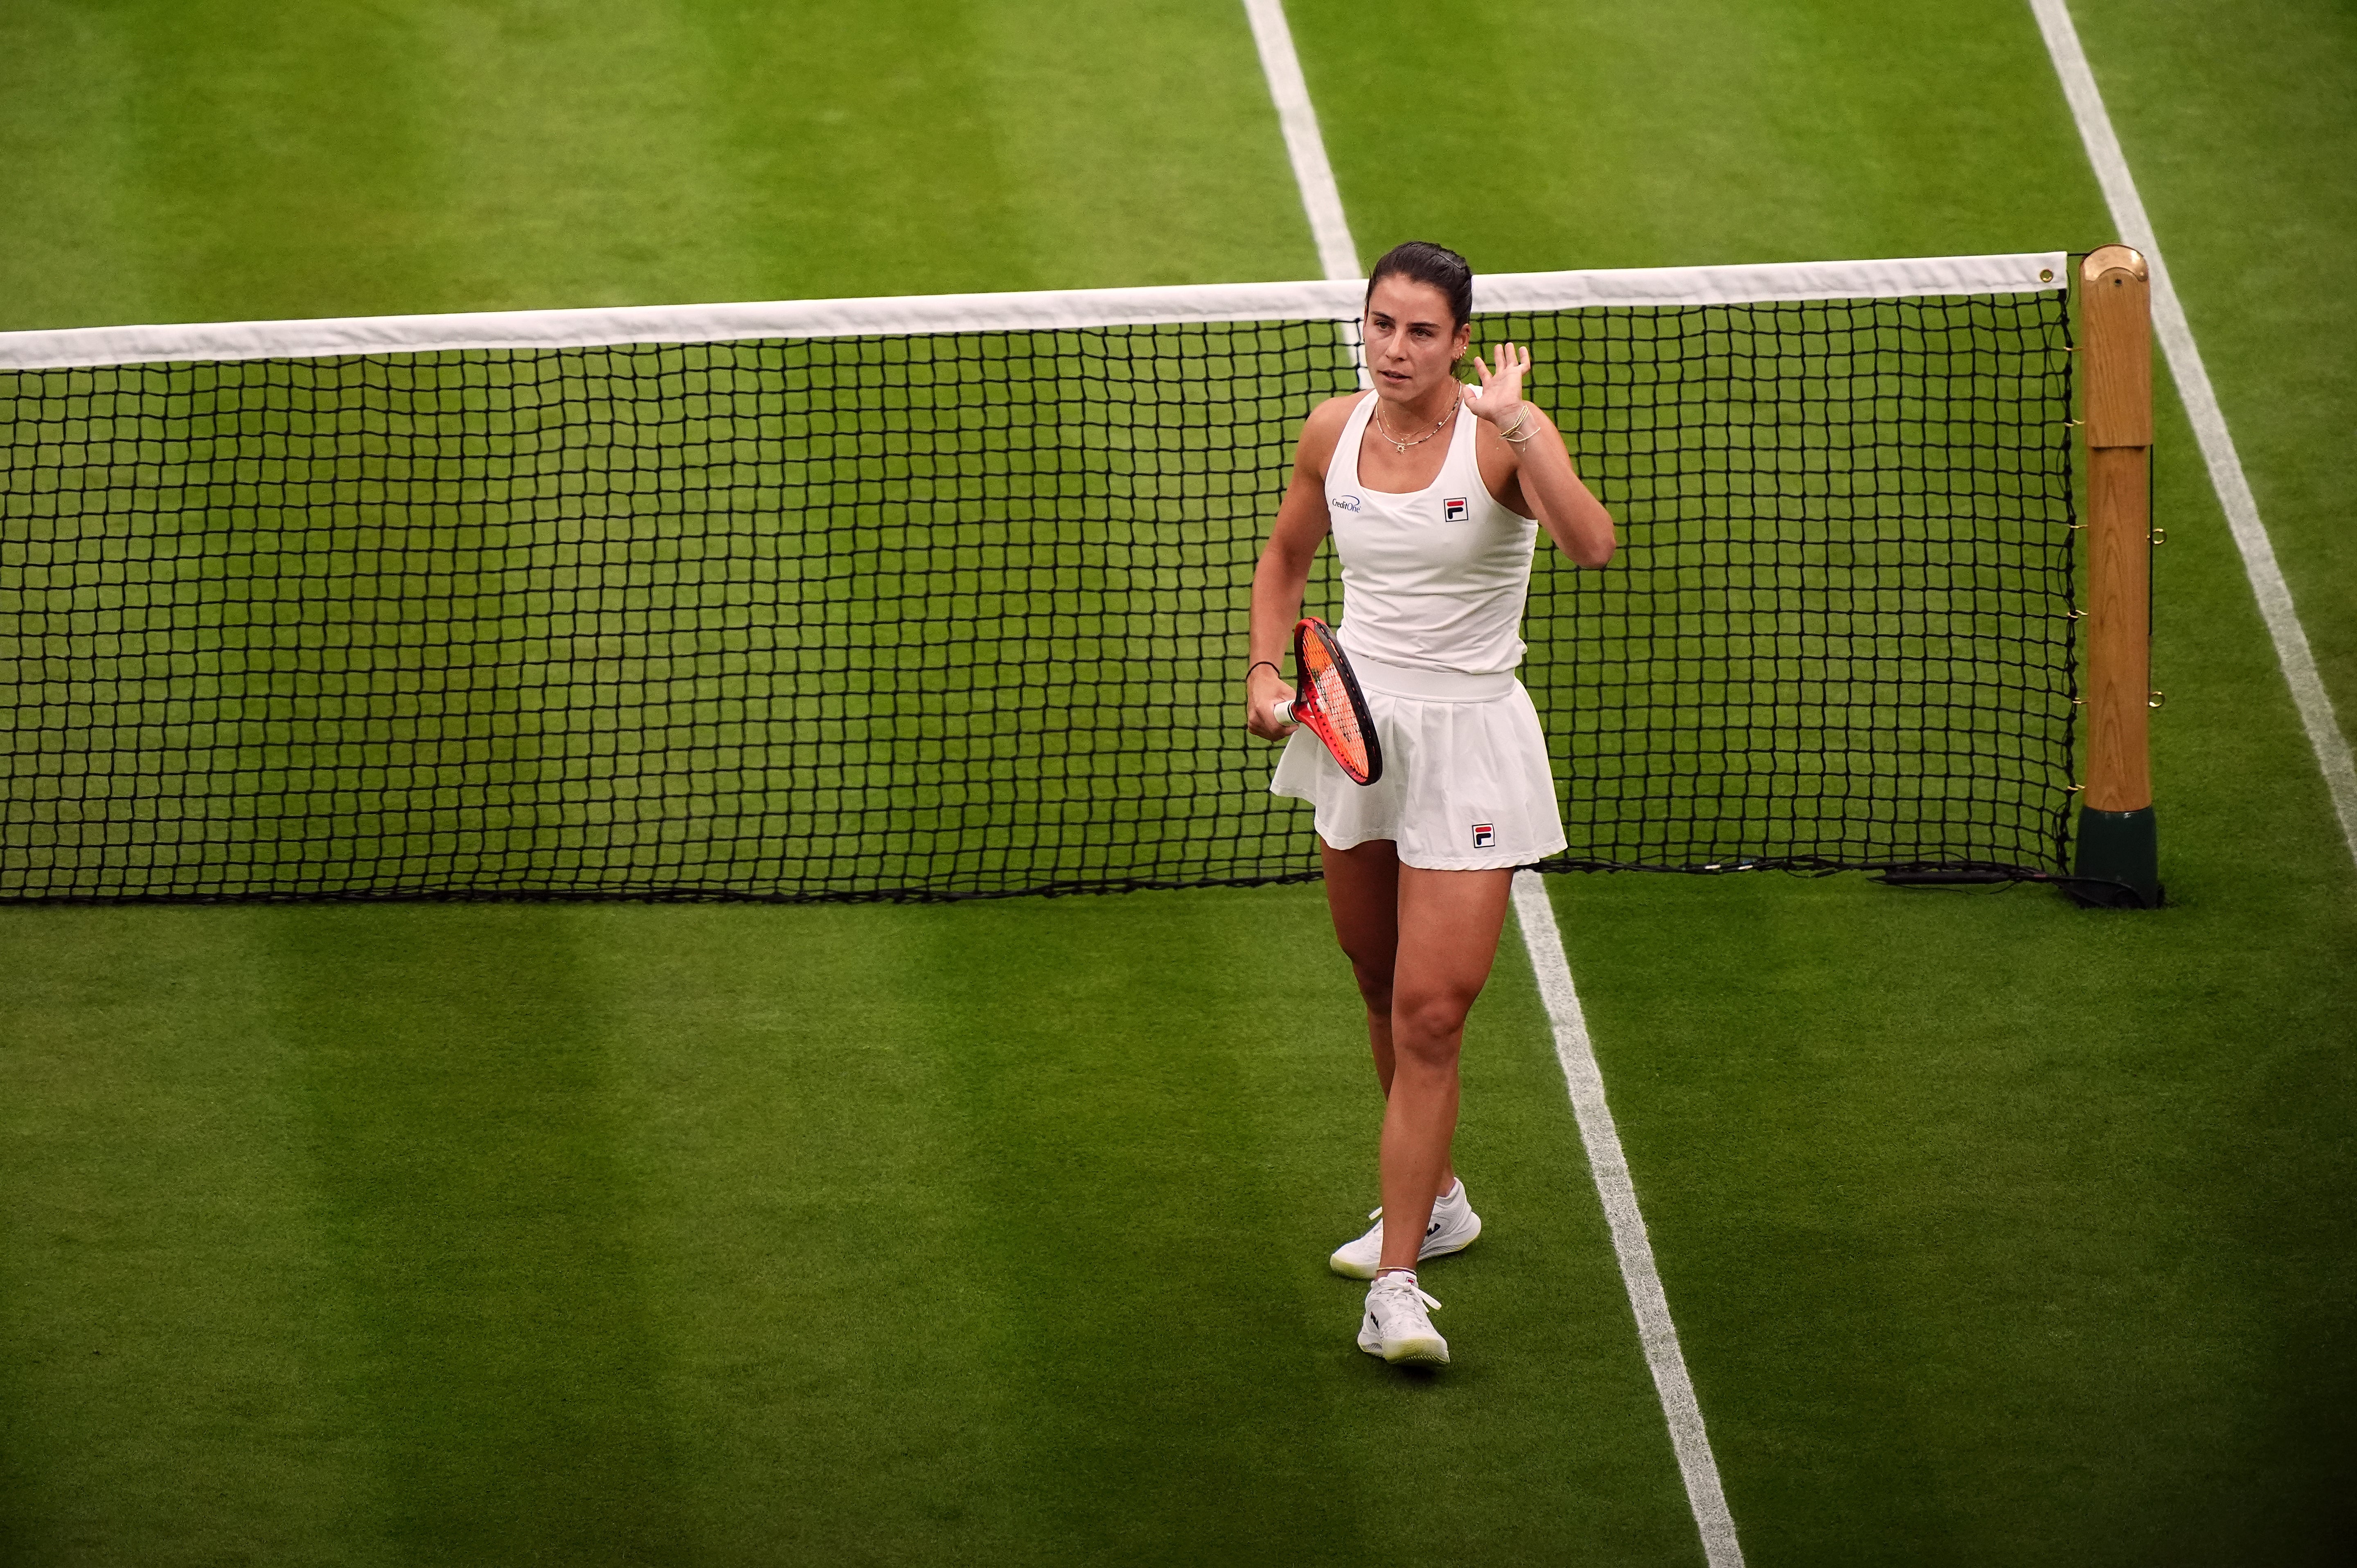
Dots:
pixel 1284 711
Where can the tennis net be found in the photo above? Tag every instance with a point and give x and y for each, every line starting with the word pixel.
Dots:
pixel 946 596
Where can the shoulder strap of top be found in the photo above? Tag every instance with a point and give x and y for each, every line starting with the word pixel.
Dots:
pixel 1342 468
pixel 1463 455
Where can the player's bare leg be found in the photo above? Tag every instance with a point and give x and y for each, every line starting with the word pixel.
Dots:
pixel 1362 892
pixel 1449 926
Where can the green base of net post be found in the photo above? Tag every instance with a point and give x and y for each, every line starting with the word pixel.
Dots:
pixel 2119 860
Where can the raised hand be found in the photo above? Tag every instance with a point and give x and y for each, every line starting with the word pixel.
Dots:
pixel 1501 390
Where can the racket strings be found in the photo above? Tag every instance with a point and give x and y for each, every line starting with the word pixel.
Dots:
pixel 1334 698
pixel 1335 706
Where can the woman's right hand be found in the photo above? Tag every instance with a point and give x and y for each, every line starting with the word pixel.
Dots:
pixel 1264 689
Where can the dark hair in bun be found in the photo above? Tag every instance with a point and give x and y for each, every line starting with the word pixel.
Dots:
pixel 1421 261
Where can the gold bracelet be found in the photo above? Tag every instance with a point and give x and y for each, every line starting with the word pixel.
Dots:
pixel 1506 433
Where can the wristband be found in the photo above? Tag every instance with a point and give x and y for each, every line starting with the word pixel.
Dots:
pixel 1257 664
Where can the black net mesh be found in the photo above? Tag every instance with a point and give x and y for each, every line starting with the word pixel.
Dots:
pixel 964 614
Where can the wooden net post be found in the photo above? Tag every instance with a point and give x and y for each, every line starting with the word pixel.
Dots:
pixel 2118 847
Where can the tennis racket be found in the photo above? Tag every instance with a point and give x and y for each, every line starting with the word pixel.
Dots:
pixel 1329 704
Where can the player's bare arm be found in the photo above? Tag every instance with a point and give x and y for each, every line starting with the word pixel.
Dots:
pixel 1284 571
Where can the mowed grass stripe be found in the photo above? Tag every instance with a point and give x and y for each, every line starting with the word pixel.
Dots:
pixel 176 1385
pixel 222 155
pixel 467 1148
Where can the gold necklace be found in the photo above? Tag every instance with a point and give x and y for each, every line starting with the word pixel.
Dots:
pixel 1400 445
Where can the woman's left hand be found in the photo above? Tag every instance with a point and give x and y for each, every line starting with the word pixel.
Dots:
pixel 1501 390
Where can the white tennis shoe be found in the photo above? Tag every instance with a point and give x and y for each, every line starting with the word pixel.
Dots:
pixel 1397 1327
pixel 1452 1229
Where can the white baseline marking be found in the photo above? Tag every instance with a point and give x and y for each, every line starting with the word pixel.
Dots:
pixel 1611 1169
pixel 2208 420
pixel 1321 196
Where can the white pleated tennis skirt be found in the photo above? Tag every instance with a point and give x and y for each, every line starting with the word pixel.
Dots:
pixel 1465 785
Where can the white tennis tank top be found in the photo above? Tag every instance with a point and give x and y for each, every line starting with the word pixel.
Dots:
pixel 1435 579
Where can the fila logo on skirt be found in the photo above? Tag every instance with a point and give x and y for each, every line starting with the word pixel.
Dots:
pixel 1484 834
pixel 1456 509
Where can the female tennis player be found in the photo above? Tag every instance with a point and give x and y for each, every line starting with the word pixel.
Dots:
pixel 1434 492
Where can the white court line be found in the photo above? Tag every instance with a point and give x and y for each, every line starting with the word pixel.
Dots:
pixel 1611 1169
pixel 1608 1165
pixel 2208 419
pixel 1321 196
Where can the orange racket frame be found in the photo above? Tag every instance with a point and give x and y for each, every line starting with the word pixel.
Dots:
pixel 1327 702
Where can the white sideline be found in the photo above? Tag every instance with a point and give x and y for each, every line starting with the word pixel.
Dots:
pixel 1047 310
pixel 2208 419
pixel 1313 176
pixel 1338 255
pixel 1605 1163
pixel 1611 1169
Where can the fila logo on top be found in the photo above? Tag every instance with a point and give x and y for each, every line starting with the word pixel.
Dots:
pixel 1456 509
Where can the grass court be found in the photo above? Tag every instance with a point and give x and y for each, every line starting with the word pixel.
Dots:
pixel 1995 1231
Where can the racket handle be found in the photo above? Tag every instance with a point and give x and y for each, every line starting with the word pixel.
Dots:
pixel 1283 712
